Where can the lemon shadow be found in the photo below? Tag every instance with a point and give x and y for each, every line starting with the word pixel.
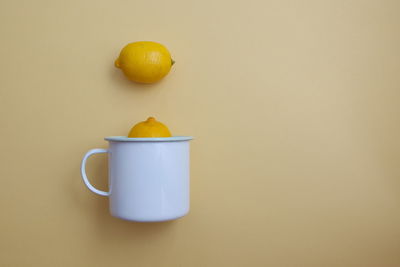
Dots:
pixel 120 81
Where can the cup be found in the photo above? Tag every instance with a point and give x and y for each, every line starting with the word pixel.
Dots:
pixel 148 177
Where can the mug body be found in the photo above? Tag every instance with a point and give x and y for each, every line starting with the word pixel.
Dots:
pixel 148 180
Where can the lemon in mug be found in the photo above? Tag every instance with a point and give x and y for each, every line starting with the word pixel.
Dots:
pixel 145 61
pixel 149 128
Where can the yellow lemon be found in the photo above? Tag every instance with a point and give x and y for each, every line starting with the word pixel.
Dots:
pixel 149 128
pixel 144 62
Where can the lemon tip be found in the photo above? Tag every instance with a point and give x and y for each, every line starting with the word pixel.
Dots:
pixel 116 63
pixel 151 119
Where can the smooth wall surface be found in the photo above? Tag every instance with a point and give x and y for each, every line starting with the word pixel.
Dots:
pixel 294 106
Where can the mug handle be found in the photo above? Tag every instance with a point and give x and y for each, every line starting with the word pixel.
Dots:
pixel 83 171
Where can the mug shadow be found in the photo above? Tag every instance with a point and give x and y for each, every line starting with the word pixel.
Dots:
pixel 110 228
pixel 106 226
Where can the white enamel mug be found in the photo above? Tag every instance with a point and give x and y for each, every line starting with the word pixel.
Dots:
pixel 148 177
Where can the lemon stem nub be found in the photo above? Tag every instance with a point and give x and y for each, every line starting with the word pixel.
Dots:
pixel 151 119
pixel 172 62
pixel 116 63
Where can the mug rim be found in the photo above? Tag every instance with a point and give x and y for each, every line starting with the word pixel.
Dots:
pixel 147 139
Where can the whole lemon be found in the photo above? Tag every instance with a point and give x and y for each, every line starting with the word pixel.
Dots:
pixel 150 128
pixel 144 62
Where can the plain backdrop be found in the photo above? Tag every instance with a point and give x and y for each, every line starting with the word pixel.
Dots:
pixel 294 106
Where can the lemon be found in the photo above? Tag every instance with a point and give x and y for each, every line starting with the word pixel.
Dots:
pixel 144 62
pixel 149 128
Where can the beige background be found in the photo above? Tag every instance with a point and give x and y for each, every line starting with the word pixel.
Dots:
pixel 295 110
